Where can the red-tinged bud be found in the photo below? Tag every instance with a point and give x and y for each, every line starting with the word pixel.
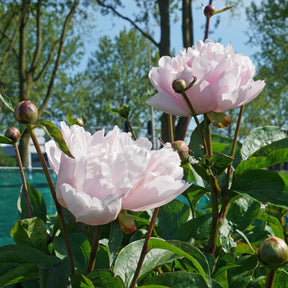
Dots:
pixel 179 85
pixel 126 222
pixel 273 252
pixel 13 134
pixel 26 112
pixel 209 10
pixel 79 122
pixel 182 149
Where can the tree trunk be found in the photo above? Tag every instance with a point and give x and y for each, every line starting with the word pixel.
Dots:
pixel 188 40
pixel 164 49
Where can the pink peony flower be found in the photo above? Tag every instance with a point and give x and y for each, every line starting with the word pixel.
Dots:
pixel 113 172
pixel 224 80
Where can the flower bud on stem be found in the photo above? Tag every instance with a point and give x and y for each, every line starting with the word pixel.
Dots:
pixel 53 192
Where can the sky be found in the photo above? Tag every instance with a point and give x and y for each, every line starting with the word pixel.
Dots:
pixel 231 28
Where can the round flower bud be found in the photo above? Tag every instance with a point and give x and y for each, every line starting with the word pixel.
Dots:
pixel 13 134
pixel 179 85
pixel 273 252
pixel 182 149
pixel 79 122
pixel 26 112
pixel 209 10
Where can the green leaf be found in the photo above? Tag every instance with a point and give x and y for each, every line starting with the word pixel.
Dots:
pixel 38 206
pixel 153 286
pixel 56 135
pixel 196 146
pixel 171 216
pixel 55 276
pixel 79 280
pixel 105 279
pixel 5 140
pixel 31 232
pixel 179 279
pixel 115 240
pixel 264 186
pixel 8 102
pixel 219 162
pixel 257 162
pixel 219 120
pixel 197 228
pixel 80 248
pixel 78 121
pixel 240 276
pixel 19 255
pixel 123 111
pixel 260 137
pixel 20 273
pixel 128 257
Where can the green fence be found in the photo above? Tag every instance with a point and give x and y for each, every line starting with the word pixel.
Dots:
pixel 10 184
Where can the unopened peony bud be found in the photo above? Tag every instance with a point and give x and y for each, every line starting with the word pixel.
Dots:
pixel 13 134
pixel 26 112
pixel 126 222
pixel 182 149
pixel 79 122
pixel 209 10
pixel 179 85
pixel 273 252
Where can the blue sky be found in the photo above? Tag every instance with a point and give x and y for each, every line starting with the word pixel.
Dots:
pixel 231 28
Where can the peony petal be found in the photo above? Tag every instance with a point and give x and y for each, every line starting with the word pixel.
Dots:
pixel 91 211
pixel 170 105
pixel 241 96
pixel 53 154
pixel 155 193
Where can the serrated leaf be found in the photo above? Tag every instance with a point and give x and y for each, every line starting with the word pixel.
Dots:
pixel 8 102
pixel 38 206
pixel 5 140
pixel 56 135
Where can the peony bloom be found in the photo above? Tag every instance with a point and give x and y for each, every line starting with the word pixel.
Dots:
pixel 224 80
pixel 113 172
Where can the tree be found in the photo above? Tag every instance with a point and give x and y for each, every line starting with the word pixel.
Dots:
pixel 33 37
pixel 268 22
pixel 117 72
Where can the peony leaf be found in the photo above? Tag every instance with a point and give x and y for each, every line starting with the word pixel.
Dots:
pixel 8 102
pixel 31 232
pixel 5 140
pixel 219 120
pixel 105 279
pixel 123 111
pixel 16 259
pixel 264 186
pixel 128 257
pixel 78 121
pixel 38 206
pixel 56 135
pixel 260 137
pixel 79 280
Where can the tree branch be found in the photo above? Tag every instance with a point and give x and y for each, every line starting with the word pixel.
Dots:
pixel 130 21
pixel 59 55
pixel 39 38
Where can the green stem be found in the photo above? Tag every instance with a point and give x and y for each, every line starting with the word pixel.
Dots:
pixel 131 129
pixel 171 126
pixel 270 277
pixel 195 119
pixel 208 136
pixel 25 188
pixel 94 248
pixel 144 248
pixel 53 192
pixel 225 203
